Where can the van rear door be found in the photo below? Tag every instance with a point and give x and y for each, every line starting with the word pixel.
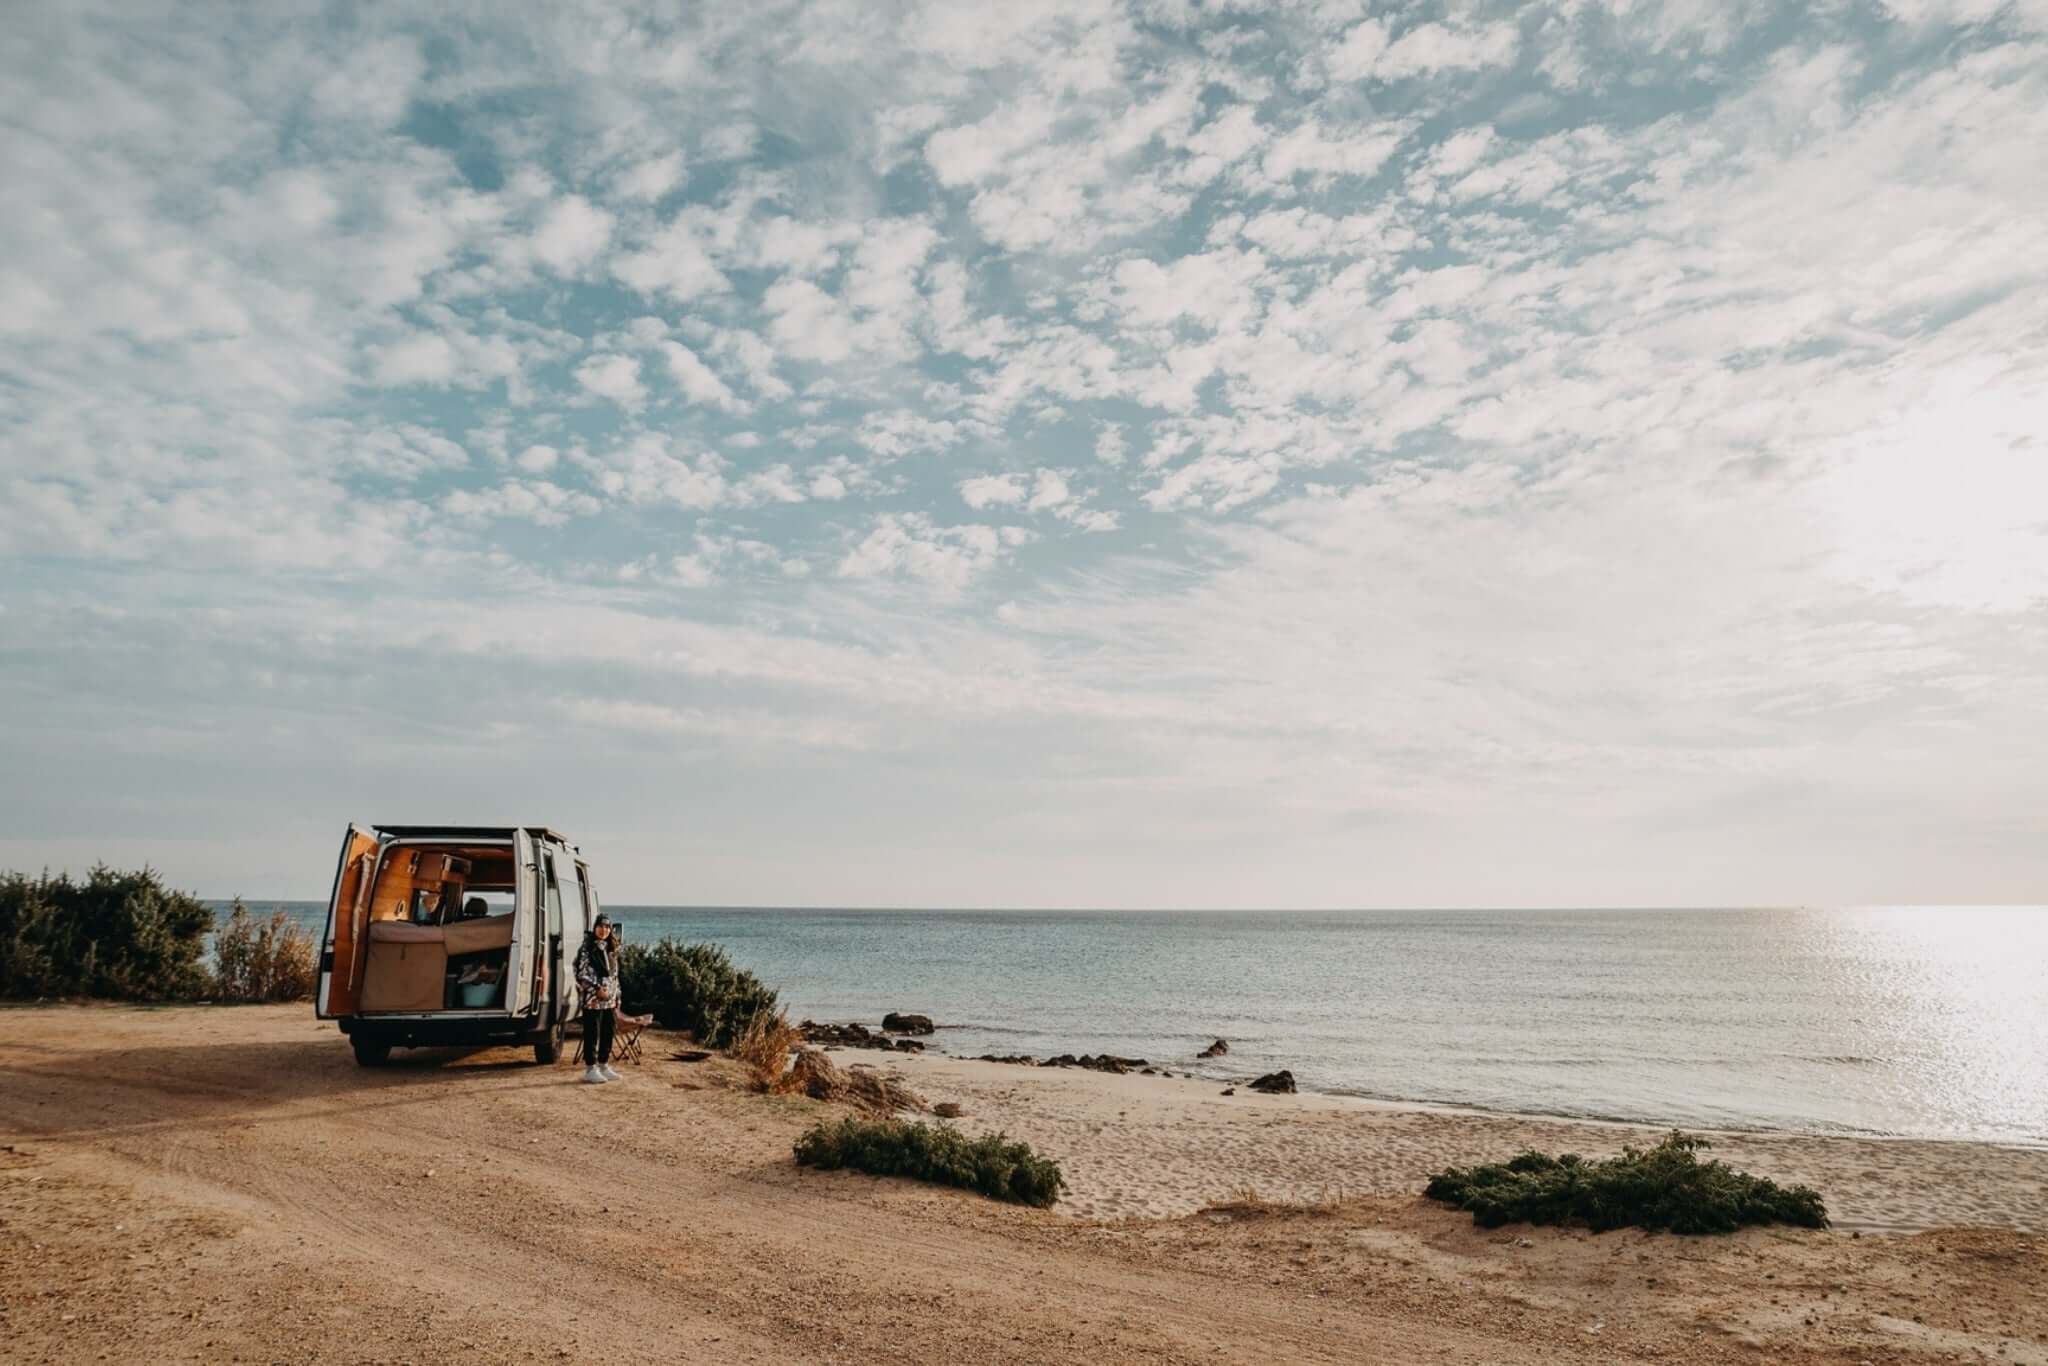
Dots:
pixel 341 947
pixel 526 924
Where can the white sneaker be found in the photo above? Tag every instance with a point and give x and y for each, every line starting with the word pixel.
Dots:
pixel 592 1075
pixel 609 1075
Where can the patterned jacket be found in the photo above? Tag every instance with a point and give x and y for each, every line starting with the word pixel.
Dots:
pixel 597 973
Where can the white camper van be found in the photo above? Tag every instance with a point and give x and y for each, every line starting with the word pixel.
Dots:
pixel 454 934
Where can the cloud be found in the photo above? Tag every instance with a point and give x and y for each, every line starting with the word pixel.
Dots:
pixel 697 380
pixel 531 500
pixel 1432 47
pixel 912 545
pixel 650 179
pixel 614 377
pixel 993 490
pixel 570 235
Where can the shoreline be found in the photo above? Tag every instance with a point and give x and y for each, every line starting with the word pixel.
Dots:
pixel 1760 1130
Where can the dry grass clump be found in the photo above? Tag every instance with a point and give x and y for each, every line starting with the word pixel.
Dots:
pixel 816 1076
pixel 270 959
pixel 763 1048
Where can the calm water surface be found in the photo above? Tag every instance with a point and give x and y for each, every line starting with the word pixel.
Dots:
pixel 1925 1022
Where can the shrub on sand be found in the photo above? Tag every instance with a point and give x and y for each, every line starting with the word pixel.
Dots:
pixel 693 987
pixel 992 1164
pixel 123 936
pixel 764 1047
pixel 266 960
pixel 1666 1187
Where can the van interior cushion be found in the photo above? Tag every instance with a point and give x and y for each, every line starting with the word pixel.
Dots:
pixel 402 976
pixel 405 932
pixel 475 936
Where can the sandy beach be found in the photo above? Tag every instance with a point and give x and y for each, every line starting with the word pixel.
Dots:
pixel 226 1185
pixel 1158 1147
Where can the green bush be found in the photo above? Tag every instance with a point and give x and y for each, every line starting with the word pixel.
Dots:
pixel 124 936
pixel 266 960
pixel 693 987
pixel 888 1147
pixel 1665 1187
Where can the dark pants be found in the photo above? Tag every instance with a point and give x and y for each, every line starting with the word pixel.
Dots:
pixel 598 1027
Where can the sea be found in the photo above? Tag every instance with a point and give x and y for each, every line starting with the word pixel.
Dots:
pixel 1926 1022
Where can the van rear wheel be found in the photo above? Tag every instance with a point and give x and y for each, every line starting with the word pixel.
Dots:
pixel 371 1052
pixel 547 1048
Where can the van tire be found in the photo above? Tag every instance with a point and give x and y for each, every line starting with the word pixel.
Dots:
pixel 371 1052
pixel 547 1049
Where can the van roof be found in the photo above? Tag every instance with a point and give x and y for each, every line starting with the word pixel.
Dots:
pixel 469 832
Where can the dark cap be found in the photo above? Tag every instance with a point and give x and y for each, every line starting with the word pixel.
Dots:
pixel 602 919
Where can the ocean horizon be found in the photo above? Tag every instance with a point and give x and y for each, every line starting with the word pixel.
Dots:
pixel 1922 1022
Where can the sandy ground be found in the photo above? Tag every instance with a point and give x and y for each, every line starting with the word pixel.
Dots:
pixel 226 1185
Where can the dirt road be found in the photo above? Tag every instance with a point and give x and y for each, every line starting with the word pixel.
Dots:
pixel 227 1185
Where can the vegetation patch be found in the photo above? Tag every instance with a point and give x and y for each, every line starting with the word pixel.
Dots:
pixel 262 960
pixel 992 1164
pixel 763 1047
pixel 119 936
pixel 1662 1188
pixel 693 987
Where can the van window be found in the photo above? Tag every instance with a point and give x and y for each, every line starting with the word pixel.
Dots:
pixel 572 892
pixel 551 894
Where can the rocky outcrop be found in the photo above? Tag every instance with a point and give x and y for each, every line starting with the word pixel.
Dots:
pixel 1104 1063
pixel 854 1036
pixel 948 1109
pixel 1015 1059
pixel 1214 1050
pixel 897 1023
pixel 1275 1083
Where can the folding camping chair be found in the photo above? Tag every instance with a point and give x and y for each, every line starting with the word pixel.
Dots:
pixel 626 1031
pixel 626 1039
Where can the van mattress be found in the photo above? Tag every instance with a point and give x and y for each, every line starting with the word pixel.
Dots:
pixel 479 935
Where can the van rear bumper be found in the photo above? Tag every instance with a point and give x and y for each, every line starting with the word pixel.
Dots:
pixel 427 1031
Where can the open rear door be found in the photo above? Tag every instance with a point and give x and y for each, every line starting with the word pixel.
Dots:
pixel 341 949
pixel 528 933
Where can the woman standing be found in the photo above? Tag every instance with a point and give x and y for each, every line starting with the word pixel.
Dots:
pixel 597 973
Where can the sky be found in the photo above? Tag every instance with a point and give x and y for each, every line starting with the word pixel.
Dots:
pixel 1265 453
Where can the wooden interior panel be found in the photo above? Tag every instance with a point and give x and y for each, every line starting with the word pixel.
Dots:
pixel 490 870
pixel 344 985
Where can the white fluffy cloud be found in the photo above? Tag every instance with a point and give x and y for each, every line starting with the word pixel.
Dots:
pixel 614 377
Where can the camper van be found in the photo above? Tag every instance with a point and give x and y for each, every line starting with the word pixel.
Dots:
pixel 454 934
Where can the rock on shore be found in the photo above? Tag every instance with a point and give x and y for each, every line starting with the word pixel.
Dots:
pixel 897 1023
pixel 1275 1083
pixel 854 1036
